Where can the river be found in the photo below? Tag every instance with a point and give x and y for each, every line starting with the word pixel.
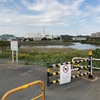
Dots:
pixel 75 45
pixel 84 46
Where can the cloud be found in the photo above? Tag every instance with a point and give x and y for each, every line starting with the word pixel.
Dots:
pixel 83 20
pixel 64 13
pixel 47 11
pixel 53 11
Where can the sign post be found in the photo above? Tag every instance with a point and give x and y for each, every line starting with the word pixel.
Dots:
pixel 14 47
pixel 17 56
pixel 12 56
pixel 65 73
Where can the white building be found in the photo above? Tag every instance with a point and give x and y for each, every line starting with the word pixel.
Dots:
pixel 35 36
pixel 51 36
pixel 42 35
pixel 39 36
pixel 79 38
pixel 55 36
pixel 95 34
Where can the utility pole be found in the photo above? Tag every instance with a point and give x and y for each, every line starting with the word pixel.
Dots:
pixel 43 29
pixel 43 34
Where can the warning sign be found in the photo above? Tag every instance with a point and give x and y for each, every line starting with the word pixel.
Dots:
pixel 65 68
pixel 65 73
pixel 14 45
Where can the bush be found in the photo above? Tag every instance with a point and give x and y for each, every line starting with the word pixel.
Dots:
pixel 96 54
pixel 24 56
pixel 5 55
pixel 4 45
pixel 40 56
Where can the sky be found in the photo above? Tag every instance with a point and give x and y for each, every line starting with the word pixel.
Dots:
pixel 56 17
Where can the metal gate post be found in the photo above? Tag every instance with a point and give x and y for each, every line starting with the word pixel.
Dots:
pixel 90 63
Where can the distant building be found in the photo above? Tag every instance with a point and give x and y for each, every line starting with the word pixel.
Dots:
pixel 51 36
pixel 95 35
pixel 80 37
pixel 35 36
pixel 55 36
pixel 39 36
pixel 42 35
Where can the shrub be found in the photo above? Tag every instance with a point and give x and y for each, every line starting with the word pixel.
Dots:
pixel 96 54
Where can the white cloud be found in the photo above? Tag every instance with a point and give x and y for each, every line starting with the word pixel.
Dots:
pixel 83 20
pixel 48 12
pixel 52 11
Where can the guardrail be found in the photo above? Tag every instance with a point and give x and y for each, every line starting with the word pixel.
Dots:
pixel 81 58
pixel 93 59
pixel 56 73
pixel 52 72
pixel 24 87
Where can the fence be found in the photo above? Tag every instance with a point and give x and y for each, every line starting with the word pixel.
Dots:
pixel 53 70
pixel 24 87
pixel 93 59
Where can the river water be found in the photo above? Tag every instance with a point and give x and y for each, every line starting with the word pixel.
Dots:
pixel 75 45
pixel 84 46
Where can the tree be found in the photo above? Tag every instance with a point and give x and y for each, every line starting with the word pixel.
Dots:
pixel 58 38
pixel 66 37
pixel 44 38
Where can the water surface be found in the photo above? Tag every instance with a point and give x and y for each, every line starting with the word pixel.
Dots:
pixel 75 45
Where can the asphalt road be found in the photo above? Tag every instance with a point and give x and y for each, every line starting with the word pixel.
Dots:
pixel 14 75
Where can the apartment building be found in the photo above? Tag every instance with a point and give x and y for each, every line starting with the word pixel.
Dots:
pixel 95 35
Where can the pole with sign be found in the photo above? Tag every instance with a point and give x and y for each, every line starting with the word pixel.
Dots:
pixel 14 47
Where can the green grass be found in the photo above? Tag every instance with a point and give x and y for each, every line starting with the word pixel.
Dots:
pixel 40 56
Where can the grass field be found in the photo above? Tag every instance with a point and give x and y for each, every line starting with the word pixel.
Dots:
pixel 44 55
pixel 40 56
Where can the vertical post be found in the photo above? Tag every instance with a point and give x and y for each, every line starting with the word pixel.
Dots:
pixel 12 56
pixel 43 92
pixel 48 75
pixel 78 71
pixel 16 56
pixel 90 63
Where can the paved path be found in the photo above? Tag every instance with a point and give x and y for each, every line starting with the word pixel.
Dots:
pixel 15 75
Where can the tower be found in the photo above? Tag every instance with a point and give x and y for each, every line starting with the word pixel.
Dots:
pixel 44 29
pixel 43 33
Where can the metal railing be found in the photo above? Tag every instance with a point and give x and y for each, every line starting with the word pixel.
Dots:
pixel 24 87
pixel 81 58
pixel 93 59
